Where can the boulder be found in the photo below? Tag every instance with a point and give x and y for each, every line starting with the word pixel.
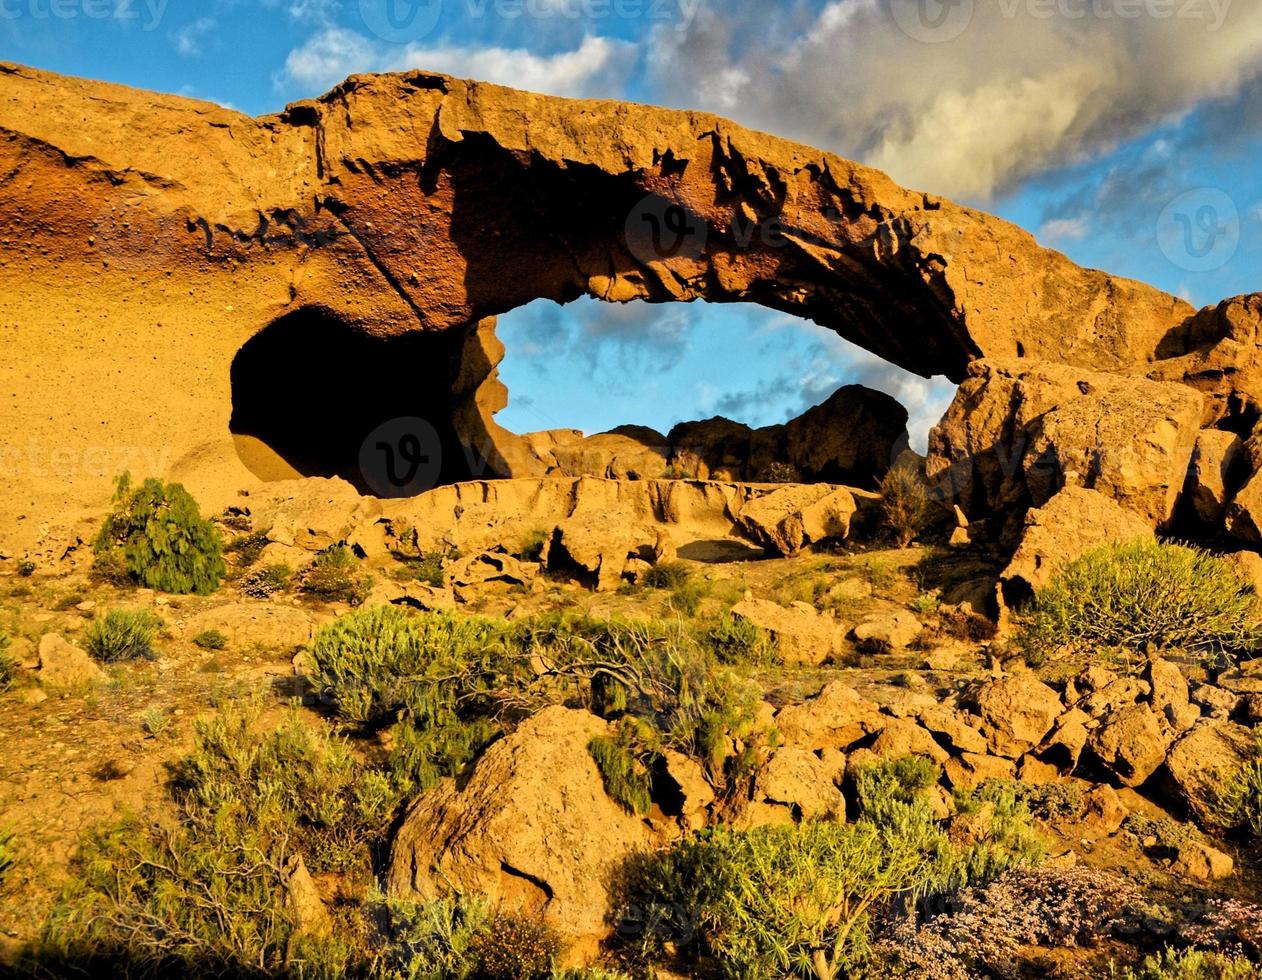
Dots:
pixel 1072 523
pixel 1169 696
pixel 1217 469
pixel 1249 564
pixel 956 728
pixel 798 778
pixel 1203 760
pixel 900 737
pixel 712 449
pixel 490 566
pixel 1132 743
pixel 892 630
pixel 629 452
pixel 1017 712
pixel 851 438
pixel 1105 809
pixel 803 634
pixel 1066 743
pixel 970 768
pixel 596 546
pixel 1244 512
pixel 791 517
pixel 1023 429
pixel 1199 860
pixel 835 718
pixel 694 791
pixel 62 665
pixel 532 829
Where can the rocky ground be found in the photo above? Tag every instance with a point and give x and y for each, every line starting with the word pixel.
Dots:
pixel 881 653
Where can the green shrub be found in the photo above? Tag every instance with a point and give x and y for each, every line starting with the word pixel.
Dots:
pixel 1239 798
pixel 210 639
pixel 433 940
pixel 734 640
pixel 263 583
pixel 203 894
pixel 375 661
pixel 122 634
pixel 1191 964
pixel 667 575
pixel 8 852
pixel 515 947
pixel 163 541
pixel 782 901
pixel 8 666
pixel 26 568
pixel 904 504
pixel 334 576
pixel 533 545
pixel 1011 841
pixel 1145 592
pixel 626 778
pixel 247 549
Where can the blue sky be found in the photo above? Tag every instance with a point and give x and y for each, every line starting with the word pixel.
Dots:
pixel 1119 131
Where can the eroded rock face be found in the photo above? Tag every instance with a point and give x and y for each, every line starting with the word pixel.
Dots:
pixel 1019 431
pixel 418 204
pixel 532 829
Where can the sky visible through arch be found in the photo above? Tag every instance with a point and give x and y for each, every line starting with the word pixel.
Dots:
pixel 1122 132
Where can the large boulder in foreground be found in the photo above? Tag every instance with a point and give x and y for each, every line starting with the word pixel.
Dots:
pixel 532 829
pixel 1202 761
pixel 1072 523
pixel 1020 430
pixel 788 519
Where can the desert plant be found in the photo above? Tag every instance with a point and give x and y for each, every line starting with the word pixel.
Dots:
pixel 8 666
pixel 162 539
pixel 1238 800
pixel 734 640
pixel 1191 964
pixel 375 661
pixel 8 852
pixel 686 589
pixel 625 775
pixel 783 901
pixel 122 634
pixel 210 639
pixel 1145 592
pixel 26 568
pixel 247 549
pixel 432 940
pixel 779 472
pixel 904 504
pixel 515 947
pixel 155 721
pixel 334 576
pixel 263 583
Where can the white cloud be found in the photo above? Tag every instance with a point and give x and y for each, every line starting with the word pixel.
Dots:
pixel 1064 230
pixel 188 40
pixel 598 66
pixel 1012 95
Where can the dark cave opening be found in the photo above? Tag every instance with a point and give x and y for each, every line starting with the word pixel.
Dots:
pixel 313 396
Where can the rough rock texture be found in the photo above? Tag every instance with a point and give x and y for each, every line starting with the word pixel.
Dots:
pixel 391 218
pixel 835 718
pixel 1200 761
pixel 1020 430
pixel 542 845
pixel 1071 523
pixel 803 634
pixel 799 779
pixel 1017 712
pixel 64 665
pixel 791 517
pixel 1218 467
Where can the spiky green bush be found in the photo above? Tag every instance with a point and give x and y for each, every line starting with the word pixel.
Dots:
pixel 1238 800
pixel 738 641
pixel 162 540
pixel 1192 964
pixel 334 576
pixel 122 634
pixel 211 639
pixel 626 778
pixel 1145 592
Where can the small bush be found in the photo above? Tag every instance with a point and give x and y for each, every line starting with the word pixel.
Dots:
pixel 433 940
pixel 263 583
pixel 686 589
pixel 904 504
pixel 248 548
pixel 162 539
pixel 1239 798
pixel 779 472
pixel 1128 595
pixel 734 640
pixel 782 901
pixel 210 640
pixel 626 777
pixel 1192 964
pixel 122 634
pixel 26 568
pixel 334 577
pixel 515 947
pixel 8 666
pixel 8 852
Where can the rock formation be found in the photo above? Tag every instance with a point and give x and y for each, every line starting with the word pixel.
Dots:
pixel 170 266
